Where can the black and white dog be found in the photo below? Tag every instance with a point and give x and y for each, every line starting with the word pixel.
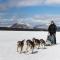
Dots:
pixel 20 45
pixel 42 43
pixel 30 44
pixel 36 42
pixel 39 42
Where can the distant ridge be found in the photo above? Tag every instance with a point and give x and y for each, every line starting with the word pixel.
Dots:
pixel 26 27
pixel 21 29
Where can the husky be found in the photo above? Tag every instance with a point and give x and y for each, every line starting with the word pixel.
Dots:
pixel 36 42
pixel 20 45
pixel 42 43
pixel 30 44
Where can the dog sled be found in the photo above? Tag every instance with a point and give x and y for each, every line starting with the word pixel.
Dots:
pixel 50 40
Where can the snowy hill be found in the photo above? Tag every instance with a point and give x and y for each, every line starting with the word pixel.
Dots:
pixel 21 25
pixel 42 26
pixel 8 41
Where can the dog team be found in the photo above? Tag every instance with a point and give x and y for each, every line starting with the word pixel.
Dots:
pixel 30 44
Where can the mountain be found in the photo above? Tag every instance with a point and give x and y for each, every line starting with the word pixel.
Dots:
pixel 21 25
pixel 41 27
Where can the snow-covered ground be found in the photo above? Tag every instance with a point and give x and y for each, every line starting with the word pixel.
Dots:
pixel 8 41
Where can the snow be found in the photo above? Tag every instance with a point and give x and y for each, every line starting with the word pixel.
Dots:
pixel 8 41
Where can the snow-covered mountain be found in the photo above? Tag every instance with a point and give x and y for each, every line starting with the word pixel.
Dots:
pixel 34 22
pixel 21 25
pixel 41 26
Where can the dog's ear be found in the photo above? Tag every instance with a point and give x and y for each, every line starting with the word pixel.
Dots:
pixel 18 41
pixel 33 38
pixel 23 40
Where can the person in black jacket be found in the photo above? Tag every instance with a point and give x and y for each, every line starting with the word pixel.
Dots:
pixel 52 30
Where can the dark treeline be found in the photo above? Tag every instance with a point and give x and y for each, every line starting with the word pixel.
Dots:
pixel 21 29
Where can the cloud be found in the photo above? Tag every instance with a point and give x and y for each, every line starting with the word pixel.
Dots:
pixel 33 20
pixel 30 2
pixel 3 6
pixel 20 3
pixel 24 3
pixel 52 2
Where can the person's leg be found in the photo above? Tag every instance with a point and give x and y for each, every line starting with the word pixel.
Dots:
pixel 55 38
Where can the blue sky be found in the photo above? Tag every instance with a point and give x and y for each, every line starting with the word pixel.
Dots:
pixel 28 9
pixel 32 10
pixel 11 7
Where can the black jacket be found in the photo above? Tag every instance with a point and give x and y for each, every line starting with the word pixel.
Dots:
pixel 52 29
